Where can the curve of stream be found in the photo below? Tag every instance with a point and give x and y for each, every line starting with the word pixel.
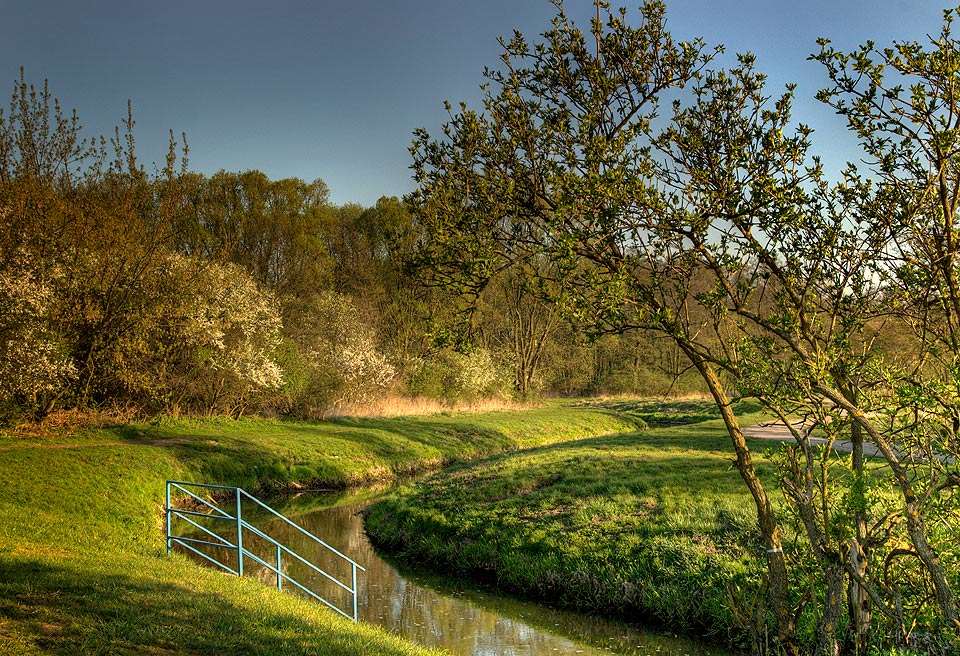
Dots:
pixel 456 615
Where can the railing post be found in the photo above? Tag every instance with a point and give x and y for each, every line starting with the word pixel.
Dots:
pixel 353 571
pixel 239 536
pixel 279 575
pixel 169 541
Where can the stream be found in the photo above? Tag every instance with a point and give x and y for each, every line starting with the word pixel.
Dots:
pixel 451 614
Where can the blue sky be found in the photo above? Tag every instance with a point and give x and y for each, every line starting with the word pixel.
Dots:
pixel 333 90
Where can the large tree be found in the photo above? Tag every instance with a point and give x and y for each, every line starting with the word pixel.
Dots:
pixel 559 168
pixel 98 308
pixel 714 226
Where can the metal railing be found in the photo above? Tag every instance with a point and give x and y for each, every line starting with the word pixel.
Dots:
pixel 207 509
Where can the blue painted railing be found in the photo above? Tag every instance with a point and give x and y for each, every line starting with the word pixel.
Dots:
pixel 208 509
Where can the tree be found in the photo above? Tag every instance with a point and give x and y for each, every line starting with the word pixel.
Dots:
pixel 92 228
pixel 274 228
pixel 338 352
pixel 34 368
pixel 559 168
pixel 789 281
pixel 715 228
pixel 517 322
pixel 206 341
pixel 901 104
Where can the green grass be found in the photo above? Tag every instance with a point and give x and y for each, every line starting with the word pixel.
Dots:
pixel 83 568
pixel 266 454
pixel 658 413
pixel 654 525
pixel 650 526
pixel 82 603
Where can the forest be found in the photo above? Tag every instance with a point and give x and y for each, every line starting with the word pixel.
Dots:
pixel 137 293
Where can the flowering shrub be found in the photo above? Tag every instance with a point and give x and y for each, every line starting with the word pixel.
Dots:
pixel 234 323
pixel 206 338
pixel 341 352
pixel 455 376
pixel 474 374
pixel 33 366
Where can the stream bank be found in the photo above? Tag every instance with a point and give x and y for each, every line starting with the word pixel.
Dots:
pixel 456 615
pixel 650 526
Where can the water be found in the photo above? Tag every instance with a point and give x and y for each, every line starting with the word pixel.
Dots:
pixel 454 615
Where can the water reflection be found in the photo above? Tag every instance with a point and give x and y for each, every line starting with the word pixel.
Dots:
pixel 453 615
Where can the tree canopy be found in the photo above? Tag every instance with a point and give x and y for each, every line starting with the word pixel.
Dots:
pixel 634 185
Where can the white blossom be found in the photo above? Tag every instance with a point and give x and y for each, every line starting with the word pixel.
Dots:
pixel 31 362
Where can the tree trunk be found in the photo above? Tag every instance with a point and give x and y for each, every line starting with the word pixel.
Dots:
pixel 769 526
pixel 858 601
pixel 827 643
pixel 916 526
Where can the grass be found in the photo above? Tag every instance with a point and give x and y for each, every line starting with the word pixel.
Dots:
pixel 608 525
pixel 83 568
pixel 658 413
pixel 266 454
pixel 652 526
pixel 82 603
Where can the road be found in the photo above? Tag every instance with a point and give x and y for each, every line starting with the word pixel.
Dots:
pixel 776 430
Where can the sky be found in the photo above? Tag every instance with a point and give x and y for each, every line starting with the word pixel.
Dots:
pixel 334 89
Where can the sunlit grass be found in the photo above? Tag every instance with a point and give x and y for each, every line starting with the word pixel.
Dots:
pixel 651 525
pixel 404 406
pixel 119 602
pixel 655 525
pixel 83 570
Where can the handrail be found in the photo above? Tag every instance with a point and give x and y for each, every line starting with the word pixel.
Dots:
pixel 213 507
pixel 238 494
pixel 299 557
pixel 299 528
pixel 223 541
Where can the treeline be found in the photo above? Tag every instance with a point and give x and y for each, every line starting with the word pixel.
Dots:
pixel 175 291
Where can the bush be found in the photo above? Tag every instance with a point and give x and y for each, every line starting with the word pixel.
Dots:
pixel 206 339
pixel 454 376
pixel 34 367
pixel 335 354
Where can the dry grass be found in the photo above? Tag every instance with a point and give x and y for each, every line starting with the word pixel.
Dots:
pixel 66 420
pixel 400 406
pixel 60 421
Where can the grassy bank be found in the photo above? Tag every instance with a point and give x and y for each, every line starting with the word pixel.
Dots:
pixel 82 560
pixel 650 526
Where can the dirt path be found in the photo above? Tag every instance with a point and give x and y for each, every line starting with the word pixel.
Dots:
pixel 778 431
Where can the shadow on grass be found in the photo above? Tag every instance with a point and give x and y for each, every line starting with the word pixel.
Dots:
pixel 331 454
pixel 270 457
pixel 656 413
pixel 710 437
pixel 397 438
pixel 68 609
